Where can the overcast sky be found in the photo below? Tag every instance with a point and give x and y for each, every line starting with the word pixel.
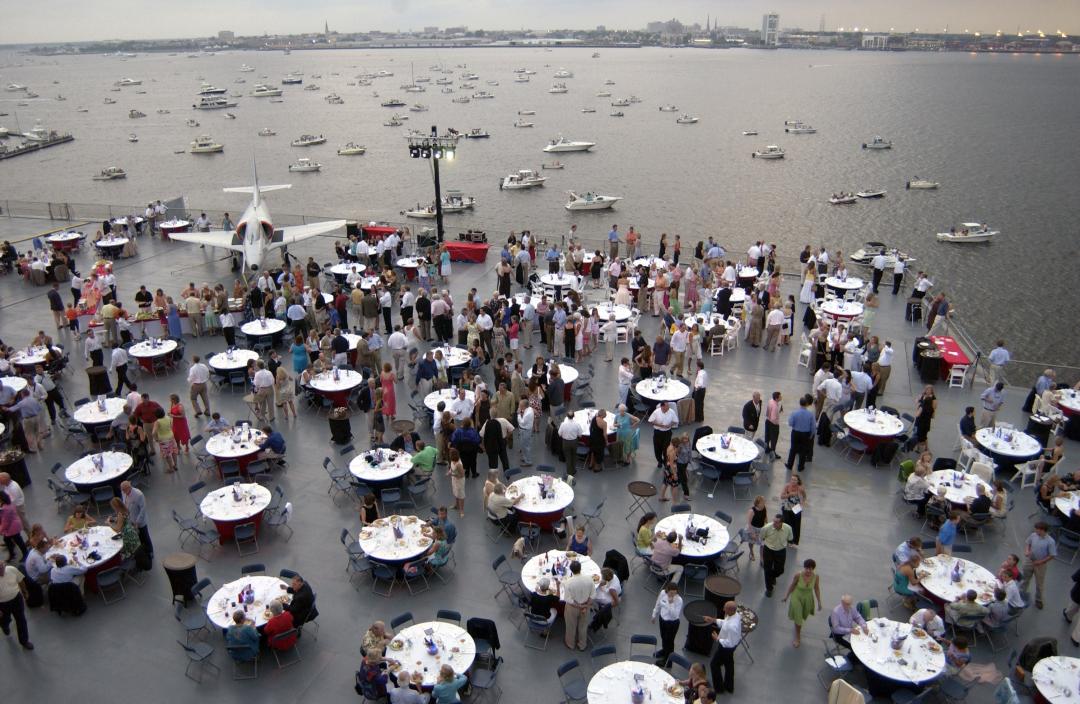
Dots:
pixel 73 20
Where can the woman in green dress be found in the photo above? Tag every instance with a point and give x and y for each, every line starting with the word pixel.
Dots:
pixel 802 592
pixel 624 429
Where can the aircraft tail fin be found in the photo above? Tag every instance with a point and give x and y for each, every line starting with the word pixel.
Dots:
pixel 251 189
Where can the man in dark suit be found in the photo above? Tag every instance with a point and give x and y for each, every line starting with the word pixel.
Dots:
pixel 723 301
pixel 751 414
pixel 405 442
pixel 302 606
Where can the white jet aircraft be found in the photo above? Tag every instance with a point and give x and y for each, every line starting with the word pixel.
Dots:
pixel 255 234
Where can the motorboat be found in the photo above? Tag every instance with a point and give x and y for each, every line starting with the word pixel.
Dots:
pixel 668 108
pixel 554 166
pixel 918 184
pixel 470 76
pixel 492 83
pixel 418 107
pixel 457 202
pixel 384 74
pixel 461 100
pixel 230 116
pixel 588 110
pixel 423 79
pixel 523 123
pixel 617 113
pixel 204 144
pixel 208 89
pixel 800 128
pixel 967 233
pixel 843 198
pixel 308 140
pixel 335 99
pixel 414 88
pixel 292 80
pixel 620 103
pixel 477 133
pixel 133 138
pixel 127 82
pixel 521 79
pixel 110 174
pixel 609 82
pixel 529 72
pixel 749 133
pixel 215 102
pixel 393 103
pixel 563 73
pixel 558 88
pixel 15 87
pixel 790 123
pixel 524 178
pixel 264 91
pixel 311 87
pixel 482 95
pixel 109 101
pixel 163 111
pixel 82 109
pixel 685 119
pixel 135 114
pixel 604 94
pixel 267 132
pixel 865 254
pixel 393 122
pixel 878 143
pixel 192 122
pixel 37 134
pixel 591 201
pixel 426 213
pixel 872 193
pixel 444 81
pixel 562 144
pixel 526 112
pixel 770 152
pixel 304 165
pixel 244 68
pixel 60 98
pixel 240 80
pixel 447 90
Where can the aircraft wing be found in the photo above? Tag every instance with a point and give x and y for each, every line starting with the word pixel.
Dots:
pixel 290 235
pixel 222 239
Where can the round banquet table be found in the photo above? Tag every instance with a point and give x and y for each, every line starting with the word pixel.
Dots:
pixel 584 419
pixel 221 606
pixel 353 340
pixel 374 470
pixel 612 684
pixel 559 281
pixel 541 566
pixel 1068 502
pixel 959 486
pixel 606 310
pixel 367 283
pixel 632 284
pixel 99 540
pixel 407 651
pixel 341 271
pixel 1068 400
pixel 111 246
pixel 125 221
pixel 649 261
pixel 337 390
pixel 1056 678
pixel 840 310
pixel 175 225
pixel 85 475
pixel 883 427
pixel 234 445
pixel 544 512
pixel 454 356
pixel 747 276
pixel 736 458
pixel 670 390
pixel 923 659
pixel 222 507
pixel 146 354
pixel 378 542
pixel 410 265
pixel 843 287
pixel 706 322
pixel 693 551
pixel 231 361
pixel 268 327
pixel 27 359
pixel 64 241
pixel 935 574
pixel 431 401
pixel 91 414
pixel 15 383
pixel 569 375
pixel 1012 448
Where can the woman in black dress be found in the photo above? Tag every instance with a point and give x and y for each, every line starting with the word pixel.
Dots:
pixel 598 431
pixel 503 271
pixel 924 413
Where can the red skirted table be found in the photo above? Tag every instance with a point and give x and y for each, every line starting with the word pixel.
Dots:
pixel 234 505
pixel 374 233
pixel 951 354
pixel 467 251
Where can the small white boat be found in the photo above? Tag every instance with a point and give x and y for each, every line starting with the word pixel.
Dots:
pixel 865 254
pixel 604 94
pixel 524 178
pixel 292 80
pixel 967 233
pixel 492 83
pixel 214 102
pixel 591 201
pixel 427 213
pixel 482 95
pixel 770 152
pixel 244 68
pixel 461 100
pixel 526 112
pixel 109 101
pixel 609 82
pixel 635 99
pixel 617 113
pixel 304 165
pixel 133 137
pixel 918 184
pixel 588 110
pixel 208 89
pixel 457 202
pixel 685 119
pixel 620 103
pixel 308 140
pixel 110 174
pixel 128 82
pixel 843 198
pixel 554 166
pixel 800 128
pixel 311 87
pixel 668 108
pixel 521 79
pixel 878 143
pixel 82 109
pixel 563 73
pixel 230 116
pixel 264 91
pixel 204 144
pixel 562 144
pixel 267 132
pixel 749 133
pixel 418 107
pixel 558 88
pixel 871 193
pixel 523 123
pixel 393 103
pixel 477 133
pixel 135 114
pixel 393 122
pixel 163 111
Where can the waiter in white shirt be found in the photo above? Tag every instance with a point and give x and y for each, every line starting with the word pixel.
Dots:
pixel 119 361
pixel 569 433
pixel 701 382
pixel 728 634
pixel 878 263
pixel 397 344
pixel 884 366
pixel 263 401
pixel 663 419
pixel 198 376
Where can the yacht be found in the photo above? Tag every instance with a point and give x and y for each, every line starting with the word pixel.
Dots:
pixel 215 102
pixel 384 74
pixel 230 116
pixel 423 79
pixel 351 149
pixel 292 80
pixel 878 143
pixel 308 140
pixel 38 133
pixel 770 152
pixel 425 213
pixel 418 107
pixel 14 88
pixel 267 132
pixel 524 178
pixel 800 128
pixel 521 79
pixel 208 89
pixel 562 144
pixel 304 165
pixel 523 123
pixel 685 119
pixel 617 113
pixel 872 193
pixel 620 103
pixel 843 198
pixel 244 68
pixel 558 88
pixel 526 112
pixel 456 202
pixel 399 117
pixel 591 201
pixel 918 184
pixel 749 133
pixel 529 72
pixel 128 82
pixel 134 114
pixel 668 108
pixel 865 254
pixel 563 73
pixel 264 91
pixel 111 173
pixel 469 76
pixel 477 133
pixel 191 122
pixel 204 144
pixel 482 95
pixel 967 233
pixel 393 103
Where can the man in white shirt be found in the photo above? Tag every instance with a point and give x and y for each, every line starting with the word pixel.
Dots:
pixel 752 254
pixel 878 263
pixel 885 366
pixel 922 285
pixel 998 357
pixel 202 223
pixel 386 305
pixel 397 344
pixel 678 344
pixel 354 277
pixel 485 323
pixel 569 433
pixel 833 390
pixel 663 419
pixel 701 383
pixel 577 593
pixel 729 274
pixel 773 322
pixel 198 376
pixel 92 349
pixel 525 419
pixel 118 361
pixel 861 383
pixel 405 305
pixel 263 401
pixel 461 407
pixel 727 635
pixel 610 332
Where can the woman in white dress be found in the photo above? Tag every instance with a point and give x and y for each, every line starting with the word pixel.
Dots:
pixel 806 295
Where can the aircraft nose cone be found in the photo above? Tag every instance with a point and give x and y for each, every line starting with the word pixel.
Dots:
pixel 254 267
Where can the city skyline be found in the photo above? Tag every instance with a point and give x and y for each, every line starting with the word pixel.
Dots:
pixel 129 19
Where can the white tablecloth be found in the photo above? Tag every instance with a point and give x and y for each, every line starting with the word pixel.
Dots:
pixel 238 359
pixel 705 322
pixel 923 659
pixel 223 604
pixel 560 280
pixel 885 425
pixel 393 466
pixel 378 541
pixel 98 539
pixel 15 383
pixel 456 648
pixel 957 494
pixel 90 414
pixel 62 237
pixel 454 356
pixel 670 390
pixel 124 220
pixel 83 472
pixel 1013 443
pixel 219 505
pixel 649 261
pixel 849 284
pixel 326 383
pixel 445 395
pixel 1069 399
pixel 541 565
pixel 110 242
pixel 740 451
pixel 1058 679
pixel 605 310
pixel 36 355
pixel 225 447
pixel 935 574
pixel 584 419
pixel 346 268
pixel 1068 502
pixel 353 339
pixel 143 350
pixel 175 224
pixel 529 489
pixel 612 684
pixel 718 534
pixel 567 373
pixel 841 309
pixel 409 262
pixel 748 272
pixel 255 327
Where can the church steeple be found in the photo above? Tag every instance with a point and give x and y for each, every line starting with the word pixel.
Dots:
pixel 326 28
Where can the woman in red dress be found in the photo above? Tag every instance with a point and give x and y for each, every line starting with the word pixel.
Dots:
pixel 389 397
pixel 181 433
